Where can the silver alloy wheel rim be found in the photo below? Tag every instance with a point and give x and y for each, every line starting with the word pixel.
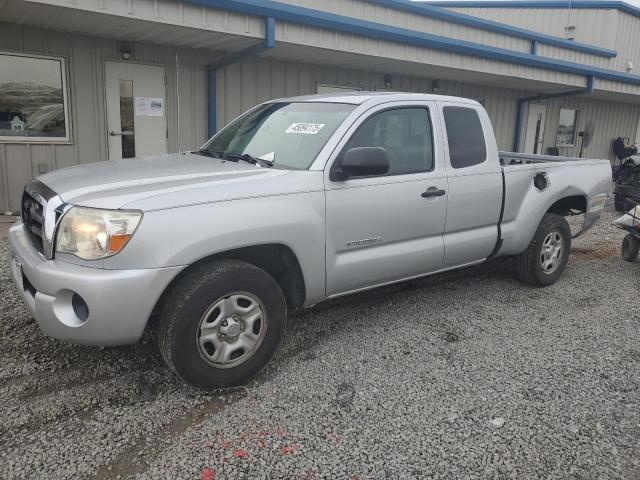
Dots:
pixel 552 251
pixel 231 330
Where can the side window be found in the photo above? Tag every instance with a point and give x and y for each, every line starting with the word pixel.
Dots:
pixel 406 135
pixel 466 140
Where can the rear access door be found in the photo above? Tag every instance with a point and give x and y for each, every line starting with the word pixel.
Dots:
pixel 389 227
pixel 475 184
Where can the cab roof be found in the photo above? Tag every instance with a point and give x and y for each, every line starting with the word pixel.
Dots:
pixel 358 98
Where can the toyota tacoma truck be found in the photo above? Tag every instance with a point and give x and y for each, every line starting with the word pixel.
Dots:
pixel 297 201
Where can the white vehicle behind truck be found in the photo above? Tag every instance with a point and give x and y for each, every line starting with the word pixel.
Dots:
pixel 297 201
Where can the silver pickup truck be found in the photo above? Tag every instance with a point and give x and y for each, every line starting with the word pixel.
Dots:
pixel 297 201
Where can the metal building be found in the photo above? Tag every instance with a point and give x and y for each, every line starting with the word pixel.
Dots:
pixel 89 80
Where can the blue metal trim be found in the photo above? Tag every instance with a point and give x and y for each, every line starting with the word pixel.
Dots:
pixel 591 81
pixel 270 32
pixel 534 47
pixel 581 4
pixel 267 43
pixel 316 18
pixel 434 11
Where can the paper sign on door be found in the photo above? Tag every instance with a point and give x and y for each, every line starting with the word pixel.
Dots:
pixel 149 107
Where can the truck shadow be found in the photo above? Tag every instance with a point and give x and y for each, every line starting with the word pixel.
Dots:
pixel 308 329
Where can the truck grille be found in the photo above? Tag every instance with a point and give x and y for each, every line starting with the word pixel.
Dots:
pixel 33 219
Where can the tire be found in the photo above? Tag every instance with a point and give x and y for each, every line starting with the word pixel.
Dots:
pixel 534 269
pixel 199 307
pixel 630 248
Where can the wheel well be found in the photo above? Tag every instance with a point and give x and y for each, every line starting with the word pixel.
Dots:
pixel 568 205
pixel 277 260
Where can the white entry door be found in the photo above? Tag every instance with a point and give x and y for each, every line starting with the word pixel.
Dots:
pixel 534 136
pixel 136 109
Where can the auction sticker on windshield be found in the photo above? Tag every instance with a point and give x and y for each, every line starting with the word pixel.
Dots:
pixel 306 128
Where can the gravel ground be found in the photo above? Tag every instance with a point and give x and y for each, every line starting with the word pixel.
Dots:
pixel 465 375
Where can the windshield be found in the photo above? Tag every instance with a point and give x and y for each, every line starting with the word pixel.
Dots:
pixel 289 134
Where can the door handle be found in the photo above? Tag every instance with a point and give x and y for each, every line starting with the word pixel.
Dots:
pixel 115 134
pixel 433 192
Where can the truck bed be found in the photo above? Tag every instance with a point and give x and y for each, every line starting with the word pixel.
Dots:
pixel 533 183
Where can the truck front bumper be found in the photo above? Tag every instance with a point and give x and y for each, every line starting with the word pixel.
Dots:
pixel 88 306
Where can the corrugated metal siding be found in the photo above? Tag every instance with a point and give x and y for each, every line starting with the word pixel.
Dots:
pixel 163 11
pixel 246 27
pixel 296 35
pixel 240 86
pixel 186 106
pixel 627 34
pixel 611 120
pixel 608 28
pixel 548 21
pixel 593 26
pixel 389 16
pixel 619 87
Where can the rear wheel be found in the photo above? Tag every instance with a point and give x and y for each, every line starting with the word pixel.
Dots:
pixel 546 257
pixel 221 324
pixel 630 248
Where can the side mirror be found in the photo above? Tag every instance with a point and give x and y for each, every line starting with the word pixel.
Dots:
pixel 362 162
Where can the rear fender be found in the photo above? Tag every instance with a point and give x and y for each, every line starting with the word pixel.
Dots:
pixel 526 203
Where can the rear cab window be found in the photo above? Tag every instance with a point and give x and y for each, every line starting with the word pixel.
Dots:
pixel 467 146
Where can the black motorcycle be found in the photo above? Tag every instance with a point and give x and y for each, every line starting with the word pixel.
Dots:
pixel 626 176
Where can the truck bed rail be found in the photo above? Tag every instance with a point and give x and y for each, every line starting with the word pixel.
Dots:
pixel 514 158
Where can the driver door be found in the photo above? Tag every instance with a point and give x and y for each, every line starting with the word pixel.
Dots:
pixel 389 227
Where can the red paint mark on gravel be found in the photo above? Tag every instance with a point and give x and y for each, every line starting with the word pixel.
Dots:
pixel 208 474
pixel 292 449
pixel 240 453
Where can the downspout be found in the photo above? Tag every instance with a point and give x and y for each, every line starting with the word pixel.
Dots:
pixel 521 101
pixel 269 42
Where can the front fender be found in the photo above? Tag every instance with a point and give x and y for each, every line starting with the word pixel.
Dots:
pixel 184 235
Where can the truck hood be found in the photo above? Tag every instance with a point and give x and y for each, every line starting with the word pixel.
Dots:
pixel 167 181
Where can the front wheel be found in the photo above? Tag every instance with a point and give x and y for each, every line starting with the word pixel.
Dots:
pixel 546 257
pixel 630 248
pixel 221 324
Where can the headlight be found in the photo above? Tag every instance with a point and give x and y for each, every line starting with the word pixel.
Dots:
pixel 92 234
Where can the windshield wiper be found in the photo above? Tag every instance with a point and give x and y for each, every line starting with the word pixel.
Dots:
pixel 235 157
pixel 207 153
pixel 249 159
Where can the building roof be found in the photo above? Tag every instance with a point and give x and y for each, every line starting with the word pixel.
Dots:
pixel 574 4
